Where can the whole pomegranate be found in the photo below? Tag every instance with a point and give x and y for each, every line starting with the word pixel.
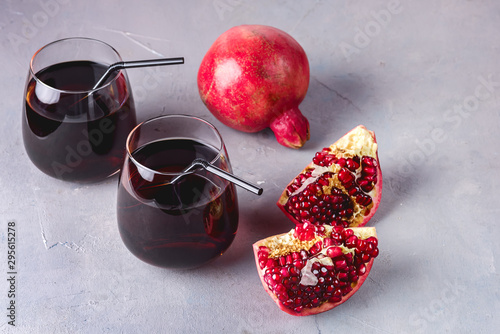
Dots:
pixel 254 77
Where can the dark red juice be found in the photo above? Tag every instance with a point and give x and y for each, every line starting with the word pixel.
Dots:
pixel 176 226
pixel 71 135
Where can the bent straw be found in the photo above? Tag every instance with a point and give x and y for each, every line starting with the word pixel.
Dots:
pixel 130 64
pixel 221 173
pixel 137 63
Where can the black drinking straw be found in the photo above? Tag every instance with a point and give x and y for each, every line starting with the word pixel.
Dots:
pixel 221 173
pixel 137 63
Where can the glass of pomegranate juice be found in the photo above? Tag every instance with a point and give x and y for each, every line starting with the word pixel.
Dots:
pixel 168 217
pixel 71 130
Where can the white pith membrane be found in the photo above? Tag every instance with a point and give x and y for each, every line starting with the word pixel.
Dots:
pixel 357 142
pixel 284 244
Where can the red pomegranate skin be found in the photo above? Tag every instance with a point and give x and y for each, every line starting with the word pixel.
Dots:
pixel 254 77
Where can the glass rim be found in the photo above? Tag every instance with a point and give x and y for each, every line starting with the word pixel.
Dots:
pixel 65 91
pixel 185 116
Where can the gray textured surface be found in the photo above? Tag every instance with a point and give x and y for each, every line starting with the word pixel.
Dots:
pixel 426 80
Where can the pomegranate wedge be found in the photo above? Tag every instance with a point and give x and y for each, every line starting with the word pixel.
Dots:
pixel 314 268
pixel 342 186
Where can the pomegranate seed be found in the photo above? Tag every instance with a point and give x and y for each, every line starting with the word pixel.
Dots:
pixel 334 252
pixel 327 242
pixel 316 248
pixel 351 241
pixel 346 290
pixel 299 293
pixel 346 212
pixel 341 264
pixel 330 288
pixel 370 170
pixel 271 263
pixel 367 161
pixel 370 178
pixel 344 277
pixel 352 165
pixel 337 237
pixel 363 199
pixel 338 229
pixel 361 246
pixel 345 177
pixel 323 181
pixel 347 233
pixel 282 297
pixel 280 289
pixel 365 257
pixel 299 264
pixel 294 271
pixel 365 185
pixel 352 191
pixel 335 298
pixel 315 302
pixel 313 199
pixel 373 241
pixel 323 158
pixel 303 255
pixel 267 277
pixel 348 258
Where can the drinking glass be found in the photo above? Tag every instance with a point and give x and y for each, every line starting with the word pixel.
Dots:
pixel 72 131
pixel 183 224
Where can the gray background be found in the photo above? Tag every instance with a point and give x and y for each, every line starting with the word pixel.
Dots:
pixel 425 78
